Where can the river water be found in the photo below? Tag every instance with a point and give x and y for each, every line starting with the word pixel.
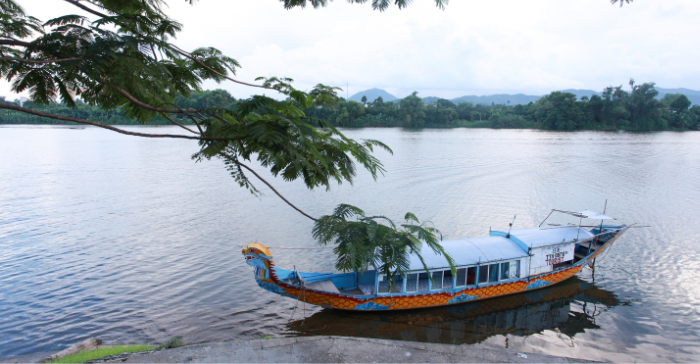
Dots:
pixel 129 240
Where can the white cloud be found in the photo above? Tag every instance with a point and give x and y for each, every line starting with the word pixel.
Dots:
pixel 472 47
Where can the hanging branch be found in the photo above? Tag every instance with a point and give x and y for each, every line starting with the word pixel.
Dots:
pixel 274 190
pixel 109 127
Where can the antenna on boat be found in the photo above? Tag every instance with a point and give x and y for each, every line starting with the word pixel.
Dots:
pixel 600 229
pixel 511 226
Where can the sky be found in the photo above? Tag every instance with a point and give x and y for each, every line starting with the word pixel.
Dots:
pixel 469 48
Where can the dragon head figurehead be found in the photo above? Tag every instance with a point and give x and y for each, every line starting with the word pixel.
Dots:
pixel 257 255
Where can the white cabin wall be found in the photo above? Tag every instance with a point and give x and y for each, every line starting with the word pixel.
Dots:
pixel 545 257
pixel 524 267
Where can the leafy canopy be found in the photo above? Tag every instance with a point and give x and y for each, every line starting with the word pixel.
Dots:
pixel 365 241
pixel 120 57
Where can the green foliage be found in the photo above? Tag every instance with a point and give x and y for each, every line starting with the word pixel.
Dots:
pixel 362 241
pixel 610 111
pixel 380 5
pixel 559 111
pixel 102 352
pixel 174 342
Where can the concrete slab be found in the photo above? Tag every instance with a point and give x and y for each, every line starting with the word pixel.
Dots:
pixel 326 349
pixel 331 349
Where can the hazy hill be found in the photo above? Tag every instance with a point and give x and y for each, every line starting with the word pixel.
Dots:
pixel 372 95
pixel 693 96
pixel 497 99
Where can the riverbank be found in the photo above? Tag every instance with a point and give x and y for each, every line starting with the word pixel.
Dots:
pixel 327 349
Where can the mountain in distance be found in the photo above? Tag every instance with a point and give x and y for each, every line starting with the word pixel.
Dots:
pixel 497 99
pixel 581 93
pixel 373 94
pixel 514 99
pixel 693 96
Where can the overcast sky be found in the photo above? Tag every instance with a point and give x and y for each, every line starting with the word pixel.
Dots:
pixel 470 48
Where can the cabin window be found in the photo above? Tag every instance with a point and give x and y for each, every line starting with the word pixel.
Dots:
pixel 471 276
pixel 505 270
pixel 412 282
pixel 437 280
pixel 493 272
pixel 447 279
pixel 423 280
pixel 461 277
pixel 398 284
pixel 483 274
pixel 384 284
pixel 515 271
pixel 465 277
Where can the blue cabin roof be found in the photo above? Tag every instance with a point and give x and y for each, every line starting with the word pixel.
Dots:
pixel 546 236
pixel 497 247
pixel 470 251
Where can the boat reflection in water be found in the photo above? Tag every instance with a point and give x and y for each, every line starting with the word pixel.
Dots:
pixel 521 314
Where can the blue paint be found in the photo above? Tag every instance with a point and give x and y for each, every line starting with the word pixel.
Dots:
pixel 462 298
pixel 273 288
pixel 283 273
pixel 513 238
pixel 537 284
pixel 372 306
pixel 367 277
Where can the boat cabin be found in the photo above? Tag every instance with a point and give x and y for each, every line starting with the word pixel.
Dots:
pixel 500 257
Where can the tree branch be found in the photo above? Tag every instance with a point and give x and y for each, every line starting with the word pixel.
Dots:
pixel 199 127
pixel 274 190
pixel 108 127
pixel 93 12
pixel 39 60
pixel 219 74
pixel 145 105
pixel 13 42
pixel 178 124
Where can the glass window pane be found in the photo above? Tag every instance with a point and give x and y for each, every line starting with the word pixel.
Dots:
pixel 515 271
pixel 383 284
pixel 412 282
pixel 505 270
pixel 461 277
pixel 398 284
pixel 423 282
pixel 493 273
pixel 471 276
pixel 483 274
pixel 447 279
pixel 437 280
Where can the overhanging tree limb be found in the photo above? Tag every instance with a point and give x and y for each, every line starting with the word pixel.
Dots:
pixel 109 127
pixel 145 105
pixel 193 58
pixel 274 190
pixel 40 61
pixel 91 11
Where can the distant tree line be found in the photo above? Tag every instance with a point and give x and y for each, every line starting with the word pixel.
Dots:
pixel 615 109
pixel 202 100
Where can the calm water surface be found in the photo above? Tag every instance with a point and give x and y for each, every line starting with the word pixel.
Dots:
pixel 129 240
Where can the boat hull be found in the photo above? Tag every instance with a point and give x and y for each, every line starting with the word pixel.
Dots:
pixel 273 279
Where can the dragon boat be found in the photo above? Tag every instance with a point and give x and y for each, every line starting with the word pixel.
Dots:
pixel 502 263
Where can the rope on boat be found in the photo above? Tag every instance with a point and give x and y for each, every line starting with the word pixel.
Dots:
pixel 302 289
